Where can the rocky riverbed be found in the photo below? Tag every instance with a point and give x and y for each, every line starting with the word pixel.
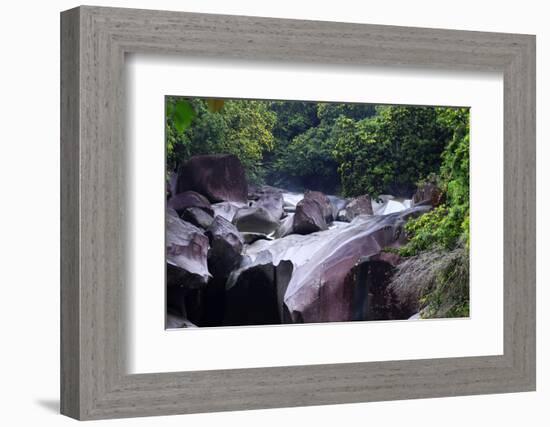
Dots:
pixel 240 254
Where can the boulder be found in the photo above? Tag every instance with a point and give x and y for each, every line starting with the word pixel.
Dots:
pixel 312 213
pixel 197 217
pixel 254 293
pixel 369 278
pixel 226 246
pixel 323 201
pixel 263 213
pixel 329 269
pixel 361 205
pixel 219 177
pixel 186 253
pixel 427 194
pixel 255 219
pixel 322 289
pixel 308 218
pixel 189 199
pixel 271 199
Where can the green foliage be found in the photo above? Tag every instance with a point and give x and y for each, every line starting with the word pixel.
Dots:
pixel 237 127
pixel 449 224
pixel 306 157
pixel 389 152
pixel 308 162
pixel 351 149
pixel 328 113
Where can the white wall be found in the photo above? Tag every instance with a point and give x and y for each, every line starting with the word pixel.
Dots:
pixel 29 191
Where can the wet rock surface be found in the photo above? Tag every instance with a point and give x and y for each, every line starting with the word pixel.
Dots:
pixel 255 255
pixel 186 253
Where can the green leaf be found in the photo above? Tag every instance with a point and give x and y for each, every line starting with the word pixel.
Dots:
pixel 183 115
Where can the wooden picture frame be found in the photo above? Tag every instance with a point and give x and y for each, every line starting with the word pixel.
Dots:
pixel 94 41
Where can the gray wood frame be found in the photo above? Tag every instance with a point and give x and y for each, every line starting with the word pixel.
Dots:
pixel 94 41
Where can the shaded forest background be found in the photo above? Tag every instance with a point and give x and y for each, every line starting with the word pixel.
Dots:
pixel 344 149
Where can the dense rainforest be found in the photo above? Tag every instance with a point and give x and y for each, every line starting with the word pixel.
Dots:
pixel 351 150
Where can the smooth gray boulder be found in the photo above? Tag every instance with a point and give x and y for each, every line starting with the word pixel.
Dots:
pixel 263 213
pixel 255 219
pixel 197 217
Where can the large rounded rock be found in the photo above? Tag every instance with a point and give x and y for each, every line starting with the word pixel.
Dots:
pixel 323 201
pixel 312 213
pixel 197 217
pixel 219 177
pixel 269 198
pixel 186 253
pixel 189 199
pixel 263 213
pixel 255 219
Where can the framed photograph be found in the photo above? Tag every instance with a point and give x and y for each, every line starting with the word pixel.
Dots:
pixel 262 213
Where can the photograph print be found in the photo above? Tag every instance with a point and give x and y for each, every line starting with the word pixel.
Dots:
pixel 295 212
